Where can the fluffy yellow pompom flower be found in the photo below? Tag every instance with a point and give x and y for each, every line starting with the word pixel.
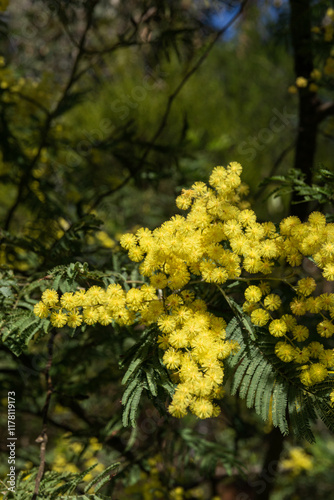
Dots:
pixel 90 315
pixel 128 240
pixel 288 224
pixel 183 202
pixel 95 295
pixel 235 167
pixel 179 338
pixel 327 301
pixel 68 301
pixel 203 408
pixel 305 377
pixel 302 355
pixel 218 176
pixel 328 272
pixel 247 217
pixel 159 280
pixel 300 333
pixel 315 349
pixel 253 294
pixel 50 297
pixel 317 219
pixel 115 291
pixel 249 307
pixel 272 302
pixel 301 82
pixel 41 310
pixel 163 341
pixel 178 410
pixel 306 286
pixel 313 305
pixel 269 249
pixel 106 319
pixel 326 358
pixel 298 307
pixel 318 373
pixel 260 317
pixel 298 461
pixel 327 249
pixel 58 319
pixel 277 328
pixel 325 328
pixel 284 351
pixel 134 299
pixel 74 319
pixel 172 358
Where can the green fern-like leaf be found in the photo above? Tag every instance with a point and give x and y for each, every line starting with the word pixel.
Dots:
pixel 19 328
pixel 145 371
pixel 102 478
pixel 271 386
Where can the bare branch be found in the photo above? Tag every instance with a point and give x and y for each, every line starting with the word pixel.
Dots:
pixel 324 110
pixel 51 116
pixel 168 107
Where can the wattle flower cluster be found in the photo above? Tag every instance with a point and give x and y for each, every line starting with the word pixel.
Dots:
pixel 217 241
pixel 312 357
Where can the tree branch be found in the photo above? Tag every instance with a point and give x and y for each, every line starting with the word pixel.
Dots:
pixel 324 110
pixel 51 115
pixel 168 108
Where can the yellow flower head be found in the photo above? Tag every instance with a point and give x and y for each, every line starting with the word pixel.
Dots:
pixel 74 319
pixel 306 286
pixel 69 301
pixel 301 82
pixel 260 317
pixel 300 333
pixel 253 294
pixel 41 310
pixel 50 297
pixel 203 408
pixel 128 241
pixel 284 351
pixel 277 328
pixel 272 302
pixel 58 319
pixel 297 461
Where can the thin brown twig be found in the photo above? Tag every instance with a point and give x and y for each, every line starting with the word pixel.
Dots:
pixel 31 100
pixel 324 110
pixel 43 437
pixel 50 117
pixel 168 107
pixel 275 165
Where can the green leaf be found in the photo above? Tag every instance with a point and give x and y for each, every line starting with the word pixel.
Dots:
pixel 102 478
pixel 150 377
pixel 135 405
pixel 134 366
pixel 130 388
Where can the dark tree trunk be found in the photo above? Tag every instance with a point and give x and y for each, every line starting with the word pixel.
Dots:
pixel 268 474
pixel 300 28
